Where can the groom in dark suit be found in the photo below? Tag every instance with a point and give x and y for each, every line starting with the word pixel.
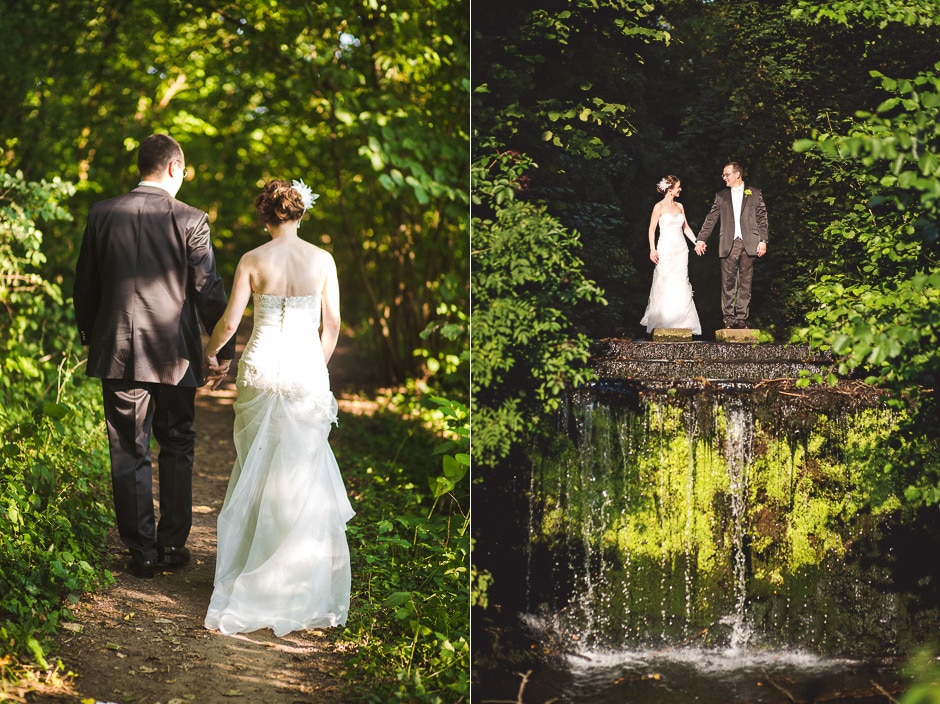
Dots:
pixel 144 281
pixel 743 236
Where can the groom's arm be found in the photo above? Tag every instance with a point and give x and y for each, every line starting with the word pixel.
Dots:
pixel 707 227
pixel 760 212
pixel 760 215
pixel 87 290
pixel 208 288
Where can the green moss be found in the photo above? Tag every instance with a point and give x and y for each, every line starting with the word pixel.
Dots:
pixel 652 502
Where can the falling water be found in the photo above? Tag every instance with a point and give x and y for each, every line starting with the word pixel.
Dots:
pixel 737 451
pixel 703 531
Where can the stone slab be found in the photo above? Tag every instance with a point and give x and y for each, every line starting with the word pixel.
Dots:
pixel 618 359
pixel 737 335
pixel 672 334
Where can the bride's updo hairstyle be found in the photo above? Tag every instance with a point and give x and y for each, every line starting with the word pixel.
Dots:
pixel 666 183
pixel 279 202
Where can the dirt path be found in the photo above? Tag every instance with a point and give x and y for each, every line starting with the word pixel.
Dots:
pixel 142 641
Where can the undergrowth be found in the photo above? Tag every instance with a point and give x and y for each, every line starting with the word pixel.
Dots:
pixel 54 516
pixel 409 614
pixel 54 506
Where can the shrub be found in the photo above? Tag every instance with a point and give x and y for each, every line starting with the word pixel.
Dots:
pixel 54 511
pixel 410 613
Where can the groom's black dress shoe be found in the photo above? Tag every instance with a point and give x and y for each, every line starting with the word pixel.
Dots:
pixel 144 569
pixel 170 558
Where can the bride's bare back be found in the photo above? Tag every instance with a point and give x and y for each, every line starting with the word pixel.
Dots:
pixel 288 267
pixel 285 266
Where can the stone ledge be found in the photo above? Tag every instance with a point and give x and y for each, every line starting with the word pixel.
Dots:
pixel 737 335
pixel 618 359
pixel 672 334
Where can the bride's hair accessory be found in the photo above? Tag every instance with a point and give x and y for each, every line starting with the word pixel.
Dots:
pixel 306 193
pixel 666 183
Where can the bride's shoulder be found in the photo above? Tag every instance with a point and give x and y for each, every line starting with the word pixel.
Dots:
pixel 319 252
pixel 250 257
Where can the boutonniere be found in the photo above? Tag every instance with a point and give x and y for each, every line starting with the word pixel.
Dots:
pixel 748 191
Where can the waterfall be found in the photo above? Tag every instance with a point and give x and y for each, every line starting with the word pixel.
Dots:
pixel 737 451
pixel 702 528
pixel 703 519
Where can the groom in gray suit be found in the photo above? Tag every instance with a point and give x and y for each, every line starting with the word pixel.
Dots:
pixel 144 281
pixel 743 236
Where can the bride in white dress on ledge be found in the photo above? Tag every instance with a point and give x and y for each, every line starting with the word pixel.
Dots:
pixel 670 303
pixel 283 559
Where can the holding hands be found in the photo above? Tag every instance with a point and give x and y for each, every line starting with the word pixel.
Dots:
pixel 215 371
pixel 761 248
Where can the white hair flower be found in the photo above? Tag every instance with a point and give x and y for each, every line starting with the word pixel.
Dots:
pixel 306 193
pixel 663 185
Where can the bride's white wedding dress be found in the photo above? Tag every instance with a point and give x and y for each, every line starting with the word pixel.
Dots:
pixel 283 560
pixel 670 303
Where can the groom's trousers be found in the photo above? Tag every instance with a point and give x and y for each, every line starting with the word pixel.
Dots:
pixel 133 410
pixel 737 272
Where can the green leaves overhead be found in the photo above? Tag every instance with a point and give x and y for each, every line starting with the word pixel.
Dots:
pixel 527 281
pixel 879 298
pixel 368 103
pixel 876 12
pixel 523 95
pixel 901 137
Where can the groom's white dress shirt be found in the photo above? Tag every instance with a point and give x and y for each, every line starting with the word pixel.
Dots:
pixel 737 198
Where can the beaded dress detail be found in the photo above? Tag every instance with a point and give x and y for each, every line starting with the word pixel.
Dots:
pixel 283 559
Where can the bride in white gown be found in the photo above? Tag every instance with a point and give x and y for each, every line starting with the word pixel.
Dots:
pixel 670 303
pixel 283 559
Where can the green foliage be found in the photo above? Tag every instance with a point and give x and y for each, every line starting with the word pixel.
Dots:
pixel 538 73
pixel 54 515
pixel 54 510
pixel 415 576
pixel 409 615
pixel 448 371
pixel 36 328
pixel 454 451
pixel 368 103
pixel 925 669
pixel 480 581
pixel 527 281
pixel 898 143
pixel 877 297
pixel 876 12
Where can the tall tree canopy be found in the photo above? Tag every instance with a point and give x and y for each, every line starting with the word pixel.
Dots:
pixel 527 267
pixel 367 102
pixel 606 98
pixel 607 107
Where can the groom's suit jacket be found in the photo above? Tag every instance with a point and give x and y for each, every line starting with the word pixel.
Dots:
pixel 145 279
pixel 753 221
